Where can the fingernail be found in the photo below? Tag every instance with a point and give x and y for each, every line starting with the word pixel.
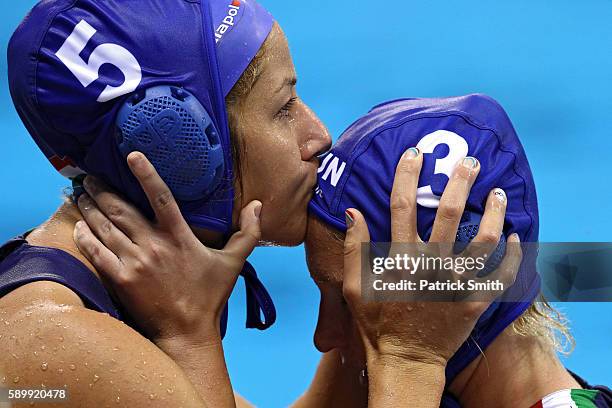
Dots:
pixel 84 201
pixel 257 210
pixel 470 163
pixel 500 195
pixel 91 184
pixel 411 153
pixel 78 225
pixel 135 158
pixel 350 219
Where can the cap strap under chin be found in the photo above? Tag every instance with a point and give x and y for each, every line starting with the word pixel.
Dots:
pixel 258 303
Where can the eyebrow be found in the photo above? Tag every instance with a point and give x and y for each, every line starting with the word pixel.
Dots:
pixel 292 81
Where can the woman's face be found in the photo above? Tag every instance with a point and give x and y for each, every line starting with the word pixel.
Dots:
pixel 280 138
pixel 335 327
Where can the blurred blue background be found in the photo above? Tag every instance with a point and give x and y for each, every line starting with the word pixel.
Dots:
pixel 548 63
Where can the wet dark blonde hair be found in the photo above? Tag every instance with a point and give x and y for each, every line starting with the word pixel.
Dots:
pixel 550 325
pixel 236 100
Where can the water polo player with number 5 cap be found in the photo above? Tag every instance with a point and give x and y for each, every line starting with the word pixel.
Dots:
pixel 466 146
pixel 93 81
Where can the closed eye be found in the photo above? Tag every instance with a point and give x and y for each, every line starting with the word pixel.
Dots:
pixel 285 111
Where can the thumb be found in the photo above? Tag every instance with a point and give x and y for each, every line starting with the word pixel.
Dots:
pixel 357 233
pixel 242 243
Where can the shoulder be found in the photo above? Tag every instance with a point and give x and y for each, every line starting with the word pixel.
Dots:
pixel 51 340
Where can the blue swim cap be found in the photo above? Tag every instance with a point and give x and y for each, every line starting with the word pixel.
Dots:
pixel 358 172
pixel 74 65
pixel 94 80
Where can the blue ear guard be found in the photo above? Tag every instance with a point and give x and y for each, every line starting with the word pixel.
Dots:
pixel 171 127
pixel 467 231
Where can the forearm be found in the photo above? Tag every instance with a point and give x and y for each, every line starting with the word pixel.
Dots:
pixel 203 362
pixel 396 382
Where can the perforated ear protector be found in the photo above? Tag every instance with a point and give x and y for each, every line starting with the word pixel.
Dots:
pixel 172 128
pixel 467 231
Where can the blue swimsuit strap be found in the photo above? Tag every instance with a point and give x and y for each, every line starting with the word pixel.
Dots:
pixel 22 263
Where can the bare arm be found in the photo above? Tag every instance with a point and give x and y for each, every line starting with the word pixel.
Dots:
pixel 406 355
pixel 171 284
pixel 52 341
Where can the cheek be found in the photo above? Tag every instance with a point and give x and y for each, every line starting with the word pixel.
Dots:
pixel 272 161
pixel 274 173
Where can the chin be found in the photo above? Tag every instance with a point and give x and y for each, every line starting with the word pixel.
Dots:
pixel 281 232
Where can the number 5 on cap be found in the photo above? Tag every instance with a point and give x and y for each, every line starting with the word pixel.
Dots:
pixel 87 72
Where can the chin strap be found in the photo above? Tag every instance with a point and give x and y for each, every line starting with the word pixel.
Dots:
pixel 258 302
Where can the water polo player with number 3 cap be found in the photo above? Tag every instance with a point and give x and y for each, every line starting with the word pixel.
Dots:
pixel 460 146
pixel 93 81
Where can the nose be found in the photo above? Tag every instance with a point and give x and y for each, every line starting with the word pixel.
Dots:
pixel 314 136
pixel 329 333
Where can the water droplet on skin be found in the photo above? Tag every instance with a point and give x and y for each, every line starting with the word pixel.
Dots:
pixel 60 370
pixel 151 396
pixel 96 377
pixel 170 391
pixel 72 367
pixel 410 308
pixel 117 400
pixel 15 356
pixel 61 338
pixel 15 380
pixel 363 376
pixel 7 322
pixel 44 366
pixel 144 377
pixel 115 348
pixel 43 347
pixel 342 359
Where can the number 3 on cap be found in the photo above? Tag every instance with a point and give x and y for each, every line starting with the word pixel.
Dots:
pixel 457 150
pixel 87 72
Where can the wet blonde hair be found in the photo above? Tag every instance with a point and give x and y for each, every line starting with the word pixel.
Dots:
pixel 548 324
pixel 236 100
